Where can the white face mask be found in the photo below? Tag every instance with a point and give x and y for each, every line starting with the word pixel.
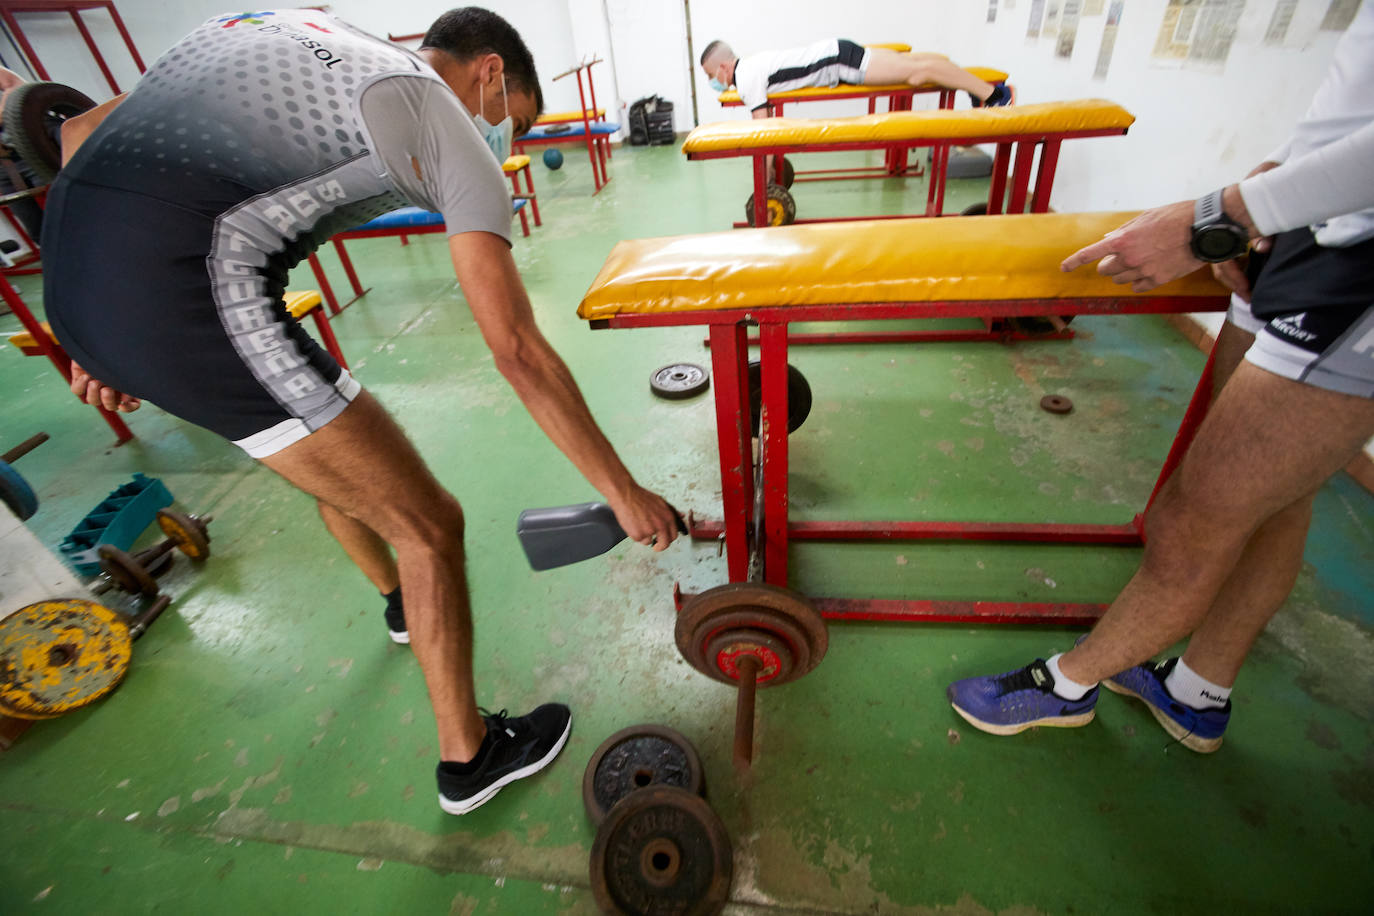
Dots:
pixel 498 136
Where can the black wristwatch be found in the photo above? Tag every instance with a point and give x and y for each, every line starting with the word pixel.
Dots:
pixel 1216 237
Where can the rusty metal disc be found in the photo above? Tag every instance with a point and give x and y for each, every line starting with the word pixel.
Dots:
pixel 56 656
pixel 189 533
pixel 661 850
pixel 739 607
pixel 1056 403
pixel 125 571
pixel 635 758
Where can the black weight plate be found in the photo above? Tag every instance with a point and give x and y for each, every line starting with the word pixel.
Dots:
pixel 126 571
pixel 798 397
pixel 635 758
pixel 16 493
pixel 789 174
pixel 33 118
pixel 661 850
pixel 978 209
pixel 679 380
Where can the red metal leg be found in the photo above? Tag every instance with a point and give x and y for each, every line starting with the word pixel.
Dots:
pixel 729 369
pixel 997 188
pixel 19 36
pixel 761 190
pixel 524 222
pixel 348 266
pixel 95 52
pixel 1192 420
pixel 1044 176
pixel 534 201
pixel 326 290
pixel 1020 177
pixel 56 354
pixel 331 343
pixel 773 446
pixel 128 40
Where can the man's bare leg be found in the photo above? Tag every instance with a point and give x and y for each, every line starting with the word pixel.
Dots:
pixel 887 68
pixel 363 465
pixel 364 547
pixel 1266 446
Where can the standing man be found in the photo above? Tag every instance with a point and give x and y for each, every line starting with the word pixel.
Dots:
pixel 832 62
pixel 169 236
pixel 1226 532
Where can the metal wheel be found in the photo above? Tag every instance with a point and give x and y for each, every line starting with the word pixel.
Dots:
pixel 661 850
pixel 33 119
pixel 126 571
pixel 782 209
pixel 189 533
pixel 635 758
pixel 776 625
pixel 56 656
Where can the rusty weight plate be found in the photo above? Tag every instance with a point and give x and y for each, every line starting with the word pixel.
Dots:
pixel 189 533
pixel 636 758
pixel 661 850
pixel 56 656
pixel 739 607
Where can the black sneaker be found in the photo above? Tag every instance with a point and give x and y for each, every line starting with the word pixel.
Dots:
pixel 518 748
pixel 396 624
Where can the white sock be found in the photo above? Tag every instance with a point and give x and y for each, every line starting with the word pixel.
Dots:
pixel 1192 689
pixel 1063 687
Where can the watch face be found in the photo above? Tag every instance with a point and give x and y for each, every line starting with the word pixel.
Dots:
pixel 1217 243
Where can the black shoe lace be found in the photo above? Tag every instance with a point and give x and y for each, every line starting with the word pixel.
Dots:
pixel 497 722
pixel 1021 679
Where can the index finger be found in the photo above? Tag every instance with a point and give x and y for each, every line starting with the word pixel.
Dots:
pixel 1086 255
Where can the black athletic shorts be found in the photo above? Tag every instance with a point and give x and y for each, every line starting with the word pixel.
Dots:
pixel 128 288
pixel 1312 312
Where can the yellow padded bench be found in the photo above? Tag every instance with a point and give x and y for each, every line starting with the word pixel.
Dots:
pixel 561 117
pixel 867 271
pixel 1027 127
pixel 299 303
pixel 1011 259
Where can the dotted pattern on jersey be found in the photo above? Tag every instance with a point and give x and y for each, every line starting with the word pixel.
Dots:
pixel 242 106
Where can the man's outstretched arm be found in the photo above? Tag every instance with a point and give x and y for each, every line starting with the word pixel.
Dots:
pixel 540 378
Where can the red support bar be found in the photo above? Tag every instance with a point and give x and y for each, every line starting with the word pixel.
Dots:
pixel 95 52
pixel 1126 535
pixel 760 190
pixel 897 611
pixel 773 445
pixel 1020 178
pixel 997 189
pixel 729 358
pixel 1044 176
pixel 1192 420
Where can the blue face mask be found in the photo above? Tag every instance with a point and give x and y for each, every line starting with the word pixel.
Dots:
pixel 498 136
pixel 718 85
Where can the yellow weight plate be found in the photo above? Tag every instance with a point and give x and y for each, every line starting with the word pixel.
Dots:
pixel 56 656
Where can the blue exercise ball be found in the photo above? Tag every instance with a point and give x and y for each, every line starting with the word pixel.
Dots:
pixel 553 159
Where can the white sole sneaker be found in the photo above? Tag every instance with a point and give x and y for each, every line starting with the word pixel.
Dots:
pixel 464 805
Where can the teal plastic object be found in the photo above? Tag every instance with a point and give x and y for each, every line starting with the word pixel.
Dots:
pixel 118 520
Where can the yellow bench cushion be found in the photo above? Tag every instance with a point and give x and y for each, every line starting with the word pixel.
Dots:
pixel 24 340
pixel 558 117
pixel 815 93
pixel 910 260
pixel 514 163
pixel 301 302
pixel 940 124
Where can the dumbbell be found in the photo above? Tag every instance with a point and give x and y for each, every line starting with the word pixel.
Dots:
pixel 135 573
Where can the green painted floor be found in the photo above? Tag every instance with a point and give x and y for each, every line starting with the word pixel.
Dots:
pixel 271 750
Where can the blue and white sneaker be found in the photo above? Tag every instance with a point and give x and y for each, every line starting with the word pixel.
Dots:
pixel 1013 702
pixel 1198 730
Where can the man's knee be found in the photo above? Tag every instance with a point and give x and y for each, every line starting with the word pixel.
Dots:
pixel 433 523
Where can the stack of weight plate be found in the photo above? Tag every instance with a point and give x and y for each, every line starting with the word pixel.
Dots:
pixel 659 847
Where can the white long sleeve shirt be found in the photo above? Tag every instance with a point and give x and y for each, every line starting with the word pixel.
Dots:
pixel 1326 176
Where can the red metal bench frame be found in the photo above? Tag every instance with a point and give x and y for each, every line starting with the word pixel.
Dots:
pixel 729 359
